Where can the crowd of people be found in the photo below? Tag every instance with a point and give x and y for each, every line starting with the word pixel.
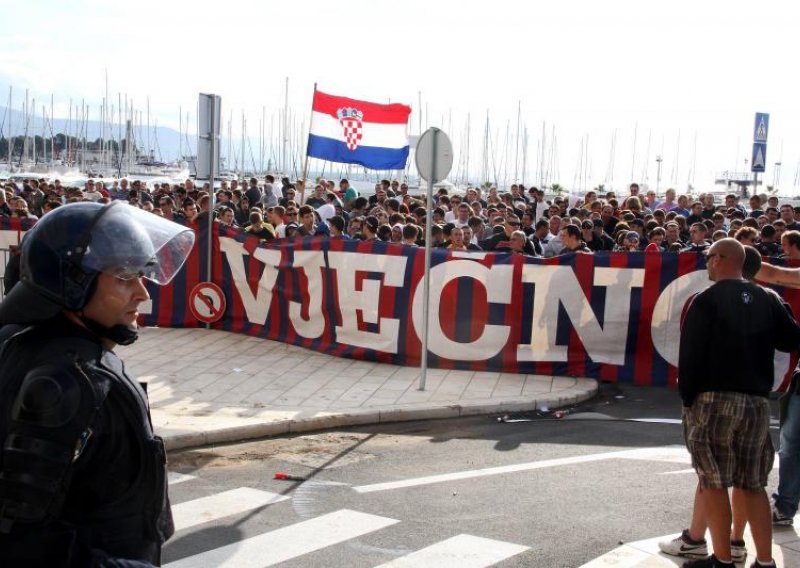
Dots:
pixel 521 220
pixel 726 412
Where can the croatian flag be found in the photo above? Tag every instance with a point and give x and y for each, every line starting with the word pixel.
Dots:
pixel 357 132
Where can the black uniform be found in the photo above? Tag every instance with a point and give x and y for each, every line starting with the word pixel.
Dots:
pixel 82 475
pixel 728 339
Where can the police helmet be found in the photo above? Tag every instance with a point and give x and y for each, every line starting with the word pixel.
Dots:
pixel 66 250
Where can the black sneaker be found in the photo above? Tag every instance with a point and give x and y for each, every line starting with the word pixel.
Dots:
pixel 710 562
pixel 779 519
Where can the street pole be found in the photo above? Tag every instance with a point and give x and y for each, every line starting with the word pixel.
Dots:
pixel 211 144
pixel 426 286
pixel 658 174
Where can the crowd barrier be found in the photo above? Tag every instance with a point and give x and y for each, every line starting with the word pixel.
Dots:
pixel 612 316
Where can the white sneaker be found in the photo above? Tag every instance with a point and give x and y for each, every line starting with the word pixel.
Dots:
pixel 681 546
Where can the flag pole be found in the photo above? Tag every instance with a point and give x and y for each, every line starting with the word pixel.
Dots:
pixel 305 165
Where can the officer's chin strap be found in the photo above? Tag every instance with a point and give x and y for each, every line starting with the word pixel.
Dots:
pixel 119 334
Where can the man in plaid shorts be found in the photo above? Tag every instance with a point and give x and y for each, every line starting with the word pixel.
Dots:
pixel 725 376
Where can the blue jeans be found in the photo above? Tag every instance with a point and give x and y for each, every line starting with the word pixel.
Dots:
pixel 788 495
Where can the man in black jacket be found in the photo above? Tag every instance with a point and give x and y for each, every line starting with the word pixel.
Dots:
pixel 725 371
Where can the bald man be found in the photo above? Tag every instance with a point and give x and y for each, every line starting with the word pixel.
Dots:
pixel 691 543
pixel 725 375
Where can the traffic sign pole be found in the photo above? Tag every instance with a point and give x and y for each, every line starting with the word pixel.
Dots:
pixel 426 286
pixel 434 158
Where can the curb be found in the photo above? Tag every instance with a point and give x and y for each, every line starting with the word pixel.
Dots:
pixel 377 415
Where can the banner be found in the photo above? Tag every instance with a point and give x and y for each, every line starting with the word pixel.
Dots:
pixel 611 316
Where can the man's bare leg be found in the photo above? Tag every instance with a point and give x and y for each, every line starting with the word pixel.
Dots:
pixel 717 507
pixel 699 524
pixel 739 508
pixel 759 513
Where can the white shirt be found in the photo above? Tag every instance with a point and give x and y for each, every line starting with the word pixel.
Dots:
pixel 326 211
pixel 554 246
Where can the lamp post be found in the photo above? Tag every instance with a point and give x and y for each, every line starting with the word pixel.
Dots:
pixel 658 173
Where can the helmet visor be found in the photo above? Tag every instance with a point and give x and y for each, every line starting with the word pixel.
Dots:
pixel 127 242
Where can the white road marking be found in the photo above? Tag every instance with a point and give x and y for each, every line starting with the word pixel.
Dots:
pixel 464 551
pixel 678 472
pixel 173 477
pixel 657 420
pixel 214 507
pixel 288 542
pixel 668 453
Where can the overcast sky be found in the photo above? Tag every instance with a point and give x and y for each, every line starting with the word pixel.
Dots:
pixel 587 68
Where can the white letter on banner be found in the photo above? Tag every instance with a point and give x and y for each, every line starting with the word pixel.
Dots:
pixel 366 300
pixel 494 337
pixel 665 327
pixel 256 308
pixel 10 238
pixel 558 285
pixel 311 262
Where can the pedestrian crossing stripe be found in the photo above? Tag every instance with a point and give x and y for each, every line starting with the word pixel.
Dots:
pixel 173 477
pixel 288 542
pixel 215 507
pixel 464 551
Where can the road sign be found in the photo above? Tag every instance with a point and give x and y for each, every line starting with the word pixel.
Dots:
pixel 434 156
pixel 207 302
pixel 761 128
pixel 759 157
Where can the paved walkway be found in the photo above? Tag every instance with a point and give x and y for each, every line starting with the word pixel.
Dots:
pixel 209 386
pixel 645 553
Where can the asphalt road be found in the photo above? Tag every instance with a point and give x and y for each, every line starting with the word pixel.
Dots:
pixel 558 493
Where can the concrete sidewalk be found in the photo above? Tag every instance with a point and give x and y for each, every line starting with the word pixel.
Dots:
pixel 209 386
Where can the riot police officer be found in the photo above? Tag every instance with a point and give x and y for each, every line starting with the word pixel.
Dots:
pixel 82 475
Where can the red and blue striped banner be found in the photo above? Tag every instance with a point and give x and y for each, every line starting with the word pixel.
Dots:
pixel 612 316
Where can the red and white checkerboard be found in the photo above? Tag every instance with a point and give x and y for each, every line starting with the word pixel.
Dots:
pixel 353 132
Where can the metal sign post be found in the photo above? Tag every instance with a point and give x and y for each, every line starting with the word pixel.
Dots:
pixel 759 159
pixel 210 111
pixel 434 158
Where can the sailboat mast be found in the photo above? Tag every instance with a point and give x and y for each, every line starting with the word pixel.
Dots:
pixel 230 141
pixel 516 149
pixel 524 153
pixel 633 158
pixel 466 165
pixel 285 140
pixel 262 145
pixel 52 127
pixel 485 176
pixel 541 162
pixel 10 131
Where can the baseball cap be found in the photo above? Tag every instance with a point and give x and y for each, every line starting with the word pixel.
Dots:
pixel 632 236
